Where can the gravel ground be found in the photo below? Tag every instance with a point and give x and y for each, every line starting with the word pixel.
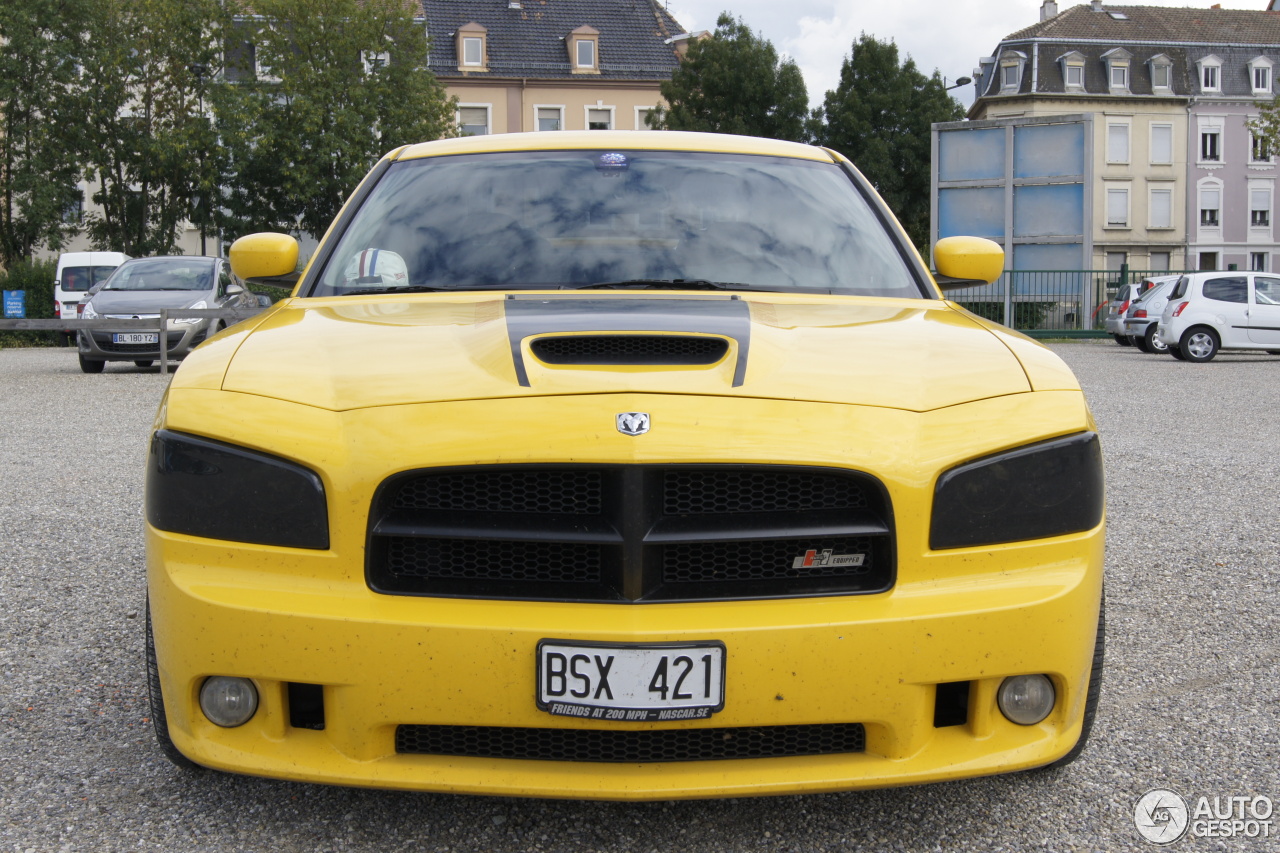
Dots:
pixel 1191 700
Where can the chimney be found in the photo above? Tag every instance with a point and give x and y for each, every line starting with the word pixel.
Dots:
pixel 1097 5
pixel 1048 10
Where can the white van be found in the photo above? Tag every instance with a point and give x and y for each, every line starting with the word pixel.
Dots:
pixel 77 272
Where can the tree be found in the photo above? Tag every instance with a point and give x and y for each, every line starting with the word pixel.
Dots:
pixel 733 82
pixel 151 141
pixel 39 125
pixel 1266 126
pixel 338 84
pixel 879 117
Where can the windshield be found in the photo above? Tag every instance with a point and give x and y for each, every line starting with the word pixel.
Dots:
pixel 162 274
pixel 616 219
pixel 76 279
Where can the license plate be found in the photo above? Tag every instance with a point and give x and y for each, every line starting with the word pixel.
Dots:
pixel 604 681
pixel 136 338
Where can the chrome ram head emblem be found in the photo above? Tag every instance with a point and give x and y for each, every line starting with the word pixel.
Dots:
pixel 633 423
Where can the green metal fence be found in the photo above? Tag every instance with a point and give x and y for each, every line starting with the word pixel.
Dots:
pixel 1051 303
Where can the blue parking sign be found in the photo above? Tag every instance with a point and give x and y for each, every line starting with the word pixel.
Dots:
pixel 15 304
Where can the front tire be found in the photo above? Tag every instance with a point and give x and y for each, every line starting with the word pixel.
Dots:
pixel 1154 344
pixel 1199 344
pixel 1123 340
pixel 159 721
pixel 1141 343
pixel 144 362
pixel 89 365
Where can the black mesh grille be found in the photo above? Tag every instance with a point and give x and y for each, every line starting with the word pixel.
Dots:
pixel 630 533
pixel 699 491
pixel 574 491
pixel 471 559
pixel 631 747
pixel 135 349
pixel 629 349
pixel 764 559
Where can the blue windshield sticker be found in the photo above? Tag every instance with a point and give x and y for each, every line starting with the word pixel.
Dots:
pixel 613 162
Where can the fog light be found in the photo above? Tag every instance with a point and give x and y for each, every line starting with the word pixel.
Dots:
pixel 227 701
pixel 1026 699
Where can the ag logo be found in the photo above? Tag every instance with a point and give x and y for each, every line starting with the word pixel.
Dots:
pixel 1161 816
pixel 633 423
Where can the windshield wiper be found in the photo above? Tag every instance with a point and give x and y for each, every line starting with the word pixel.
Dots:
pixel 411 288
pixel 656 284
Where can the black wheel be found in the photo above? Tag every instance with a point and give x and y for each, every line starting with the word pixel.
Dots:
pixel 1123 340
pixel 1095 690
pixel 89 365
pixel 1199 344
pixel 1141 344
pixel 1176 352
pixel 158 719
pixel 144 362
pixel 1154 344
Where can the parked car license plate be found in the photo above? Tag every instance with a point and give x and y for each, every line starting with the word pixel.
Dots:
pixel 606 681
pixel 135 338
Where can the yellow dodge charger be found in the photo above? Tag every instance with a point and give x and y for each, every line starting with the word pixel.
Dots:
pixel 623 466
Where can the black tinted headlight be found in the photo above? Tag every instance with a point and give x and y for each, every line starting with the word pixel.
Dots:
pixel 220 491
pixel 1046 489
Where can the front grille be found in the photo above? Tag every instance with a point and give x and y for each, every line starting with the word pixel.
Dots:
pixel 630 533
pixel 631 747
pixel 630 349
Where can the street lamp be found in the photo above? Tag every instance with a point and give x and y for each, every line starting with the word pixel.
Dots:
pixel 963 81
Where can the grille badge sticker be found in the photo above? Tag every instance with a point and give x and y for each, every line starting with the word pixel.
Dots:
pixel 633 423
pixel 811 558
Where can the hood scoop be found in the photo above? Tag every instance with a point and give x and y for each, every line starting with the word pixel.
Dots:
pixel 629 349
pixel 577 330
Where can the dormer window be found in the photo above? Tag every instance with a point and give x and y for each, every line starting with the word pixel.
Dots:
pixel 374 60
pixel 1161 74
pixel 1011 65
pixel 584 50
pixel 473 48
pixel 1260 75
pixel 1117 60
pixel 1210 69
pixel 1072 71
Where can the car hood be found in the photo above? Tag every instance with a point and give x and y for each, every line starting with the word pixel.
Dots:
pixel 378 351
pixel 145 301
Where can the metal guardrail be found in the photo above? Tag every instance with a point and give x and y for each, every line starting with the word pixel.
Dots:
pixel 159 323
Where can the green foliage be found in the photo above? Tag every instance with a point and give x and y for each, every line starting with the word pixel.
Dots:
pixel 733 82
pixel 1026 315
pixel 39 129
pixel 37 280
pixel 879 117
pixel 298 147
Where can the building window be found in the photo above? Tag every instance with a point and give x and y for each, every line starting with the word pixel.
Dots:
pixel 1011 65
pixel 1258 261
pixel 473 51
pixel 1210 148
pixel 1161 73
pixel 1210 74
pixel 1160 208
pixel 1117 143
pixel 374 60
pixel 1260 208
pixel 642 118
pixel 1117 60
pixel 473 120
pixel 1160 261
pixel 600 118
pixel 1260 151
pixel 1210 204
pixel 1075 76
pixel 73 213
pixel 550 118
pixel 1208 260
pixel 586 54
pixel 1119 77
pixel 1072 70
pixel 1117 207
pixel 584 50
pixel 1161 144
pixel 1260 75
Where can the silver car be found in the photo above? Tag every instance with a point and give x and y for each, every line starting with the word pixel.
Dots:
pixel 139 289
pixel 1114 323
pixel 1143 316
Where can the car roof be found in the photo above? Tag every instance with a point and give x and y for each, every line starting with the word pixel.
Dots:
pixel 634 140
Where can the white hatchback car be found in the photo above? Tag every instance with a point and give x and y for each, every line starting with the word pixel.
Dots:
pixel 1210 311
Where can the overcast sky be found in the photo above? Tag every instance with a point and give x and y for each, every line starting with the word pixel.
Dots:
pixel 947 35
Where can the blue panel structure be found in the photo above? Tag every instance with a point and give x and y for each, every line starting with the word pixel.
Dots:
pixel 1048 210
pixel 973 212
pixel 971 155
pixel 1048 256
pixel 1048 150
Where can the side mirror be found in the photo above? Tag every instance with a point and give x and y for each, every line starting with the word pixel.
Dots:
pixel 264 256
pixel 967 261
pixel 234 289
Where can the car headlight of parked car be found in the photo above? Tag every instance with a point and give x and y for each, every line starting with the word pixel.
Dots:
pixel 1046 489
pixel 221 491
pixel 188 321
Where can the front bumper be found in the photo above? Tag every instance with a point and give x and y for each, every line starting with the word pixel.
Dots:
pixel 284 616
pixel 97 344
